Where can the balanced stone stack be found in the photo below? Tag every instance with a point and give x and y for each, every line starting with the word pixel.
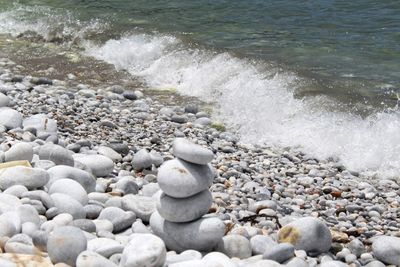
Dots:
pixel 184 200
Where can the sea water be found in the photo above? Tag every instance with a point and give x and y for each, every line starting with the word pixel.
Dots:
pixel 323 76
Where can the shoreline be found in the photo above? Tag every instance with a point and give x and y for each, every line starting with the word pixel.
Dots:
pixel 127 117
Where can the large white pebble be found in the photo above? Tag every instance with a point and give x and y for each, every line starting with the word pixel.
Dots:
pixel 57 154
pixel 84 178
pixel 181 179
pixel 309 234
pixel 184 209
pixel 31 178
pixel 387 249
pixel 4 100
pixel 144 250
pixel 202 234
pixel 71 188
pixel 66 204
pixel 100 165
pixel 10 118
pixel 186 150
pixel 19 151
pixel 65 244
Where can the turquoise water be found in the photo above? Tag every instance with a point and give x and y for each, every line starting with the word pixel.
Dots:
pixel 322 75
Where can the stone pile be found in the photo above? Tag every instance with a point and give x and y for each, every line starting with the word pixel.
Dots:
pixel 184 200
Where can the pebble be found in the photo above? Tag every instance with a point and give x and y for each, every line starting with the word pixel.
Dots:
pixel 56 154
pixel 129 95
pixel 93 259
pixel 66 204
pixel 333 264
pixel 142 206
pixel 106 247
pixel 110 153
pixel 356 247
pixel 65 244
pixel 375 264
pixel 261 243
pixel 144 250
pixel 387 249
pixel 126 185
pixel 308 234
pixel 100 166
pixel 181 179
pixel 201 235
pixel 19 151
pixel 41 123
pixel 82 177
pixel 71 188
pixel 188 151
pixel 280 253
pixel 31 178
pixel 142 160
pixel 4 100
pixel 120 219
pixel 10 118
pixel 84 224
pixel 184 209
pixel 235 246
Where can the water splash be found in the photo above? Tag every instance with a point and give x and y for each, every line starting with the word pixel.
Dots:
pixel 47 23
pixel 259 101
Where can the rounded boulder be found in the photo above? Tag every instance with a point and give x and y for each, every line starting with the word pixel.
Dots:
pixel 309 234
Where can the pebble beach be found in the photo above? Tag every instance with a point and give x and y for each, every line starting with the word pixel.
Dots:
pixel 96 170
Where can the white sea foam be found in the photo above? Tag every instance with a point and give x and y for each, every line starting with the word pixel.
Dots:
pixel 260 102
pixel 47 22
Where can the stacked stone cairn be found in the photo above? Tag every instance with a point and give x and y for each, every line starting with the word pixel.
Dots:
pixel 184 200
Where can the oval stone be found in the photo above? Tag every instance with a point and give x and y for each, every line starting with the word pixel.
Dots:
pixel 71 188
pixel 41 123
pixel 65 244
pixel 84 178
pixel 184 209
pixel 10 118
pixel 186 150
pixel 31 178
pixel 4 100
pixel 20 151
pixel 100 165
pixel 56 154
pixel 144 250
pixel 141 160
pixel 181 179
pixel 142 206
pixel 235 246
pixel 66 204
pixel 106 247
pixel 309 234
pixel 387 249
pixel 202 235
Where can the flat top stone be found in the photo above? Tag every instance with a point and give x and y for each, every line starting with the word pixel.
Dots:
pixel 181 179
pixel 186 150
